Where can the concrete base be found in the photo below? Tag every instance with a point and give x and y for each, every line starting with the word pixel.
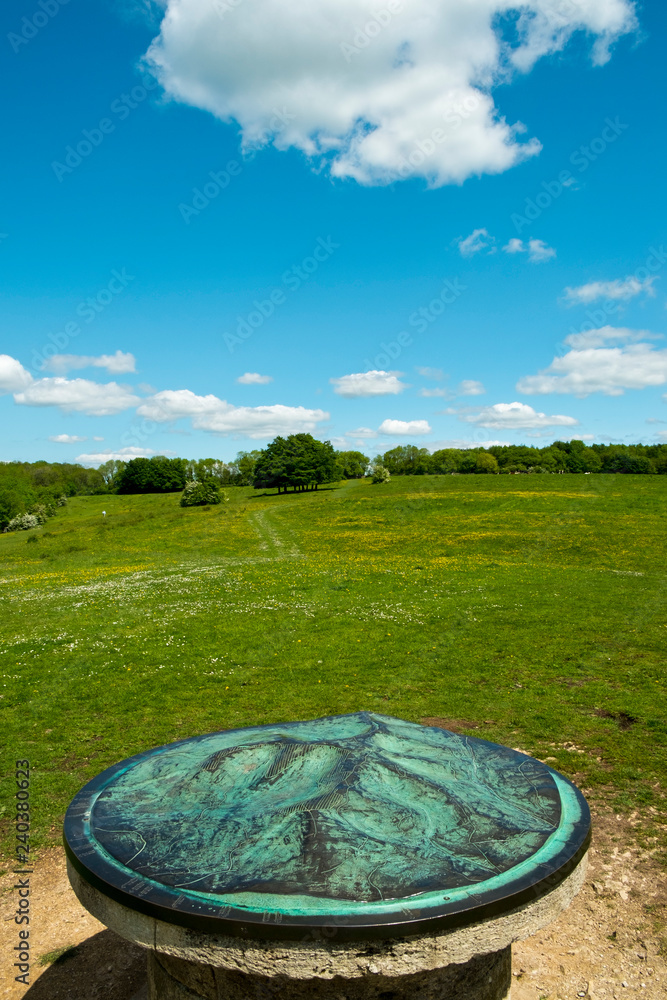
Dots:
pixel 466 963
pixel 487 977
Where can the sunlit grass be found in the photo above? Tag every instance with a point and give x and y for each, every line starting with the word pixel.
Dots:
pixel 532 608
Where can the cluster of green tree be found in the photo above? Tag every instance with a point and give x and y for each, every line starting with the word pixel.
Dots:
pixel 561 456
pixel 351 464
pixel 298 461
pixel 151 475
pixel 26 486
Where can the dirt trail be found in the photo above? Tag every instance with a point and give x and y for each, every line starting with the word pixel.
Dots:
pixel 607 945
pixel 270 540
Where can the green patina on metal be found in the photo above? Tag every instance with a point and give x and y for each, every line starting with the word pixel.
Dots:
pixel 355 814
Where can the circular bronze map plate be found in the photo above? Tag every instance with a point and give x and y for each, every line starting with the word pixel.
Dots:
pixel 363 823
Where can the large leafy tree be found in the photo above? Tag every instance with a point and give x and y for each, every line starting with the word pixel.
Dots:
pixel 446 461
pixel 299 462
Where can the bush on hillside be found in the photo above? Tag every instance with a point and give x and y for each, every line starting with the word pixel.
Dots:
pixel 198 494
pixel 380 474
pixel 35 516
pixel 23 522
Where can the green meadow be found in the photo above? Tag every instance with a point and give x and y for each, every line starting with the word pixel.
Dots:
pixel 528 610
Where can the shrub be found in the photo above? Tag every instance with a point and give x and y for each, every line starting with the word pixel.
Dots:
pixel 23 522
pixel 198 494
pixel 42 511
pixel 380 474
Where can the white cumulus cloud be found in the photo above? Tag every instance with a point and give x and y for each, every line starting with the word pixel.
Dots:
pixel 78 395
pixel 372 383
pixel 377 96
pixel 116 364
pixel 610 370
pixel 404 427
pixel 617 290
pixel 209 413
pixel 513 416
pixel 13 376
pixel 254 378
pixel 66 438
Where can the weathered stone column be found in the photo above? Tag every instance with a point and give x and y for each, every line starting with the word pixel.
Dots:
pixel 487 977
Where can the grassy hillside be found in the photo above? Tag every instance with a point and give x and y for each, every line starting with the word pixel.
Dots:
pixel 531 610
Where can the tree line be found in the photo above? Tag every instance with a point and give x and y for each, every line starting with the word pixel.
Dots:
pixel 300 462
pixel 30 488
pixel 562 456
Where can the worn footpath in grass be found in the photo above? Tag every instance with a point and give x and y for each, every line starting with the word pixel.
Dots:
pixel 529 610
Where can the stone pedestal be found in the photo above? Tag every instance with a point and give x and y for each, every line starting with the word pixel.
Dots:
pixel 354 857
pixel 466 963
pixel 486 977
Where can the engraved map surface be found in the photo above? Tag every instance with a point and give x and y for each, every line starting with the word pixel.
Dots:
pixel 360 807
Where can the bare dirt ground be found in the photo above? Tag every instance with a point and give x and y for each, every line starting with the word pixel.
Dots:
pixel 610 944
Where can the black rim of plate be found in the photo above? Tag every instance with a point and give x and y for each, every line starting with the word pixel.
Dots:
pixel 145 896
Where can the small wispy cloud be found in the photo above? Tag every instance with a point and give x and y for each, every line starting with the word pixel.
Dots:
pixel 121 455
pixel 479 239
pixel 436 374
pixel 616 290
pixel 515 245
pixel 605 336
pixel 116 364
pixel 66 438
pixel 436 393
pixel 362 432
pixel 538 251
pixel 254 378
pixel 469 387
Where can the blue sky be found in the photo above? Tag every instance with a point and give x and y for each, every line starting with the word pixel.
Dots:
pixel 380 223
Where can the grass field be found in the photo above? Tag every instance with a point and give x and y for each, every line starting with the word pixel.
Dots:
pixel 531 609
